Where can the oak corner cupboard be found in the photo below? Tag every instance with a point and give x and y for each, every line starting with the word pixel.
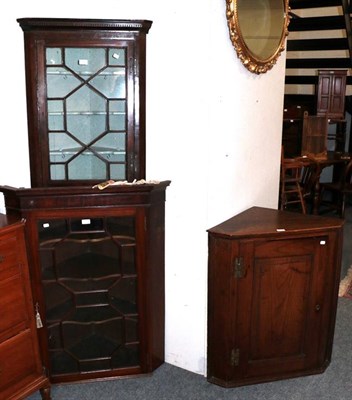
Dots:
pixel 273 290
pixel 21 370
pixel 85 82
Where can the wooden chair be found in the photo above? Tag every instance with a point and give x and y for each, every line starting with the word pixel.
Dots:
pixel 337 191
pixel 291 191
pixel 314 136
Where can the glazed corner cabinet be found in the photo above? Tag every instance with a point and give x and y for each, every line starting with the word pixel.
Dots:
pixel 85 99
pixel 96 257
pixel 273 289
pixel 97 266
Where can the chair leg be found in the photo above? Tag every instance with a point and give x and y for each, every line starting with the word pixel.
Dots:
pixel 320 198
pixel 282 200
pixel 303 204
pixel 343 205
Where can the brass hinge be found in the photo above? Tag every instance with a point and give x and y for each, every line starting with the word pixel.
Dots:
pixel 238 269
pixel 133 66
pixel 235 357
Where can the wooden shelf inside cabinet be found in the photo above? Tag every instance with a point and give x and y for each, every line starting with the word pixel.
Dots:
pixel 21 366
pixel 97 265
pixel 273 289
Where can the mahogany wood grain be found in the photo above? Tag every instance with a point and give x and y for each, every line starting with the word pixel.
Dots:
pixel 40 33
pixel 145 204
pixel 21 368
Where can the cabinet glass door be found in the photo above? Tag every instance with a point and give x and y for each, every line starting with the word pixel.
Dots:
pixel 89 278
pixel 87 113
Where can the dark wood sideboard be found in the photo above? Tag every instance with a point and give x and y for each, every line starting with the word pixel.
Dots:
pixel 21 368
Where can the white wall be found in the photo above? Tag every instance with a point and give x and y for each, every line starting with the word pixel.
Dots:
pixel 213 129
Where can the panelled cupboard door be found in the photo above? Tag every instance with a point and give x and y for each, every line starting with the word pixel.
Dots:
pixel 272 296
pixel 278 329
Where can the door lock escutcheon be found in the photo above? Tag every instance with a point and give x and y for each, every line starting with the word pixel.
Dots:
pixel 239 270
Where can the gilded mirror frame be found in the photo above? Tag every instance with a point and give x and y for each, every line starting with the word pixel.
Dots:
pixel 252 62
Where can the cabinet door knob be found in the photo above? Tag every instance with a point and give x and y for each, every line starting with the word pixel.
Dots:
pixel 317 307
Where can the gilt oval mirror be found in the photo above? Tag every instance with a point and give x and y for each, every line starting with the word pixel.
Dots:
pixel 258 29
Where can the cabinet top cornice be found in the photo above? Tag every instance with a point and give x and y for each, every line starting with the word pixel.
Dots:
pixel 29 24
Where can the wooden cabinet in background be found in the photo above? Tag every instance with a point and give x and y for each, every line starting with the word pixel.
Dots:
pixel 331 92
pixel 292 130
pixel 273 286
pixel 292 137
pixel 21 369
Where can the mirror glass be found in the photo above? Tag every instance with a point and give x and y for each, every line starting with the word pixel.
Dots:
pixel 261 23
pixel 257 30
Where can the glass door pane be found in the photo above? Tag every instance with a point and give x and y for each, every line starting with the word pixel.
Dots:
pixel 89 278
pixel 87 113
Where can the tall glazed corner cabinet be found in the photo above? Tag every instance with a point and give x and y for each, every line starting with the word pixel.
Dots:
pixel 96 253
pixel 273 289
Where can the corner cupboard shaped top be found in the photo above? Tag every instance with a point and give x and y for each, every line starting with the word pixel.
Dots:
pixel 263 222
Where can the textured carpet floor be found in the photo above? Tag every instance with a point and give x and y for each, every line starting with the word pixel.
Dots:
pixel 345 289
pixel 172 383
